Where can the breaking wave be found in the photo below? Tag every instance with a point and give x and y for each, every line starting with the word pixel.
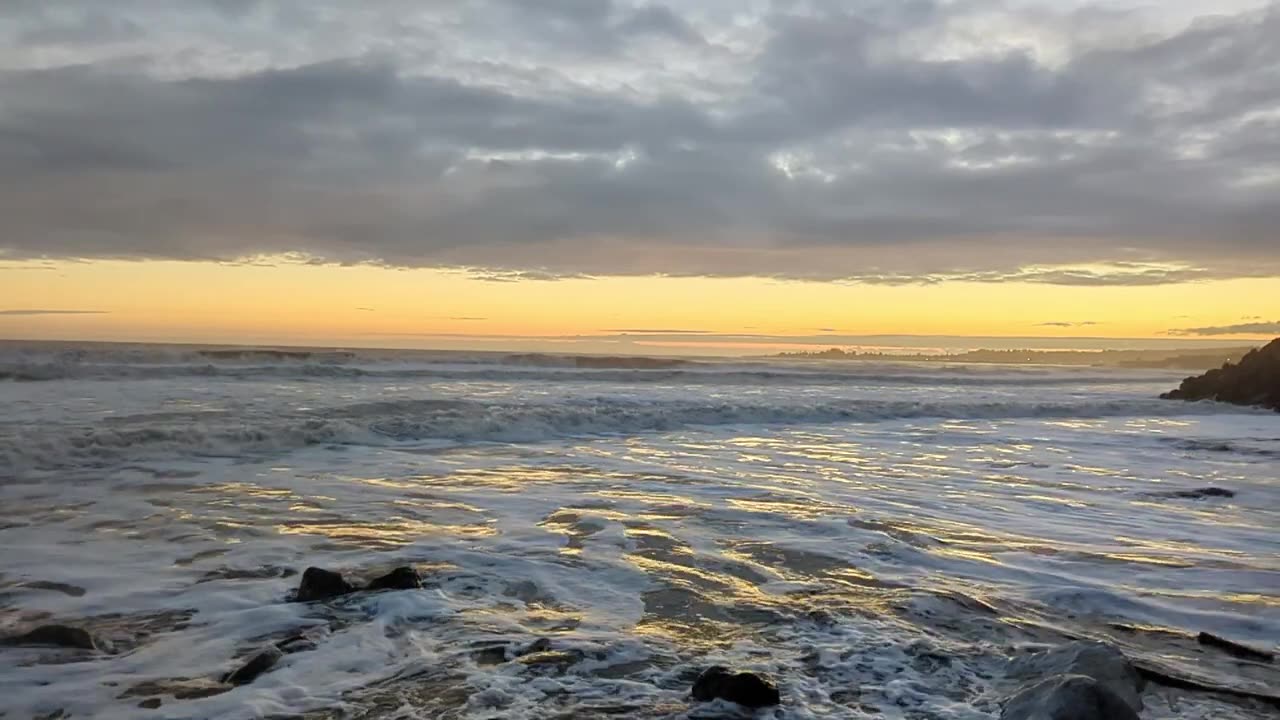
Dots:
pixel 226 434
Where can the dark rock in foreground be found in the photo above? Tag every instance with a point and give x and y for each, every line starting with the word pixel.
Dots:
pixel 320 584
pixel 260 662
pixel 1204 492
pixel 58 636
pixel 402 578
pixel 178 688
pixel 1255 380
pixel 296 643
pixel 555 660
pixel 1103 664
pixel 1235 648
pixel 490 655
pixel 1067 697
pixel 744 688
pixel 64 588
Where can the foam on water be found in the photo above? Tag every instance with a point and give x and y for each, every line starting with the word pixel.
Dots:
pixel 881 538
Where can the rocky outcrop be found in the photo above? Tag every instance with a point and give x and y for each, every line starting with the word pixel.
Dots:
pixel 1067 697
pixel 1255 380
pixel 258 663
pixel 1201 493
pixel 177 688
pixel 320 584
pixel 1104 664
pixel 1234 648
pixel 64 636
pixel 744 688
pixel 402 578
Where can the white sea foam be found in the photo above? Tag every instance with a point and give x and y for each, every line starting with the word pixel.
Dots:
pixel 878 537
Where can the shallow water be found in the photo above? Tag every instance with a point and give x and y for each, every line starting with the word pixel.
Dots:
pixel 879 537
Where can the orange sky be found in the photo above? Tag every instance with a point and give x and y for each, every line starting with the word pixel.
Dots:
pixel 290 303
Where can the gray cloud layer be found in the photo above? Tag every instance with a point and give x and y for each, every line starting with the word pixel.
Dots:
pixel 876 141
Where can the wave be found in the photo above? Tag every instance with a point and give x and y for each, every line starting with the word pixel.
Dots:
pixel 36 362
pixel 594 361
pixel 258 354
pixel 197 435
pixel 560 369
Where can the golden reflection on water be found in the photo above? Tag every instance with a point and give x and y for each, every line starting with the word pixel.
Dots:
pixel 1057 500
pixel 1098 471
pixel 1148 560
pixel 392 531
pixel 810 510
pixel 966 554
pixel 667 501
pixel 1175 546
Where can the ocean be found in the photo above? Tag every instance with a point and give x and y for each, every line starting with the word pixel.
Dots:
pixel 880 538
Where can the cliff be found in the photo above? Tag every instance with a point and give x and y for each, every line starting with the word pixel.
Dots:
pixel 1255 380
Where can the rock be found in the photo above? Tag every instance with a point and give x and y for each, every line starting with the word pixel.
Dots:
pixel 1103 663
pixel 1235 648
pixel 744 688
pixel 559 660
pixel 255 573
pixel 1202 493
pixel 64 588
pixel 1255 380
pixel 179 688
pixel 537 646
pixel 151 703
pixel 320 584
pixel 298 641
pixel 1067 697
pixel 296 644
pixel 260 662
pixel 58 636
pixel 402 578
pixel 491 655
pixel 535 654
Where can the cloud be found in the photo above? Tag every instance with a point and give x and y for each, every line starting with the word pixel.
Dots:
pixel 1067 323
pixel 646 331
pixel 22 312
pixel 877 142
pixel 510 276
pixel 1252 328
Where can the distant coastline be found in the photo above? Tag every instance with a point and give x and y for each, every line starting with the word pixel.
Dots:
pixel 1174 359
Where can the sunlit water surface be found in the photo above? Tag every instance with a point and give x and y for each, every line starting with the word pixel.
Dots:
pixel 878 537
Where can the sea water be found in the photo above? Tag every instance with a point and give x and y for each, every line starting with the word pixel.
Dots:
pixel 879 537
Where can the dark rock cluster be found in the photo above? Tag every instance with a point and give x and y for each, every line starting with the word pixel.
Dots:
pixel 744 688
pixel 1255 380
pixel 1076 681
pixel 320 584
pixel 63 636
pixel 1073 681
pixel 258 663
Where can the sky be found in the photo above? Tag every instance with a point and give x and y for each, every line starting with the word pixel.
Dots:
pixel 628 175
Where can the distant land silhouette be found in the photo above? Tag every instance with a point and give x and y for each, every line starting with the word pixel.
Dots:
pixel 1254 380
pixel 1181 359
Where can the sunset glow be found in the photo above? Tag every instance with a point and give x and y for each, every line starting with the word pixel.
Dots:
pixel 290 303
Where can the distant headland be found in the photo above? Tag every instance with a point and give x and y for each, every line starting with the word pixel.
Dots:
pixel 1178 359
